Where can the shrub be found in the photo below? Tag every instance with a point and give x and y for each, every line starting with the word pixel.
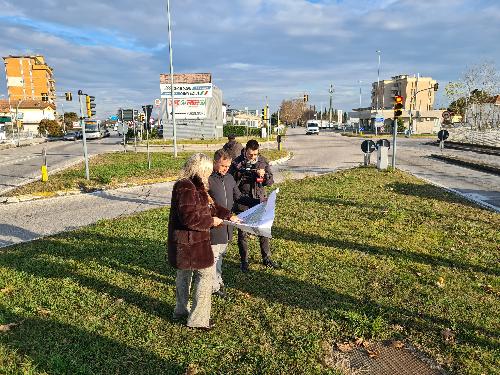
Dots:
pixel 240 131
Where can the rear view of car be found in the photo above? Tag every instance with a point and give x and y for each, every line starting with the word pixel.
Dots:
pixel 312 128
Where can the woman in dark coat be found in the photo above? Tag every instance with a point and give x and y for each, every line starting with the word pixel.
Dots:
pixel 192 214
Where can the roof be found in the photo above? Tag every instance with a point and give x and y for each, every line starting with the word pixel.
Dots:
pixel 187 78
pixel 25 104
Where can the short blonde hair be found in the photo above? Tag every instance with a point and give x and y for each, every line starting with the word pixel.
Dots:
pixel 198 165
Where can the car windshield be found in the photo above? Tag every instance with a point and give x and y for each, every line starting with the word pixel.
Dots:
pixel 312 125
pixel 91 128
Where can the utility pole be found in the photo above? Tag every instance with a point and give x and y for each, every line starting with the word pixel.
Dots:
pixel 378 87
pixel 171 78
pixel 330 111
pixel 84 137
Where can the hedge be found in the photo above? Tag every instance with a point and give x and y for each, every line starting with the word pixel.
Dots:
pixel 240 131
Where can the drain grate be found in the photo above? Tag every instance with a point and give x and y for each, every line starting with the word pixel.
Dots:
pixel 384 359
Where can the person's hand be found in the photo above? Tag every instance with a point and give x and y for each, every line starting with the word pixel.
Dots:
pixel 235 219
pixel 217 221
pixel 263 199
pixel 261 172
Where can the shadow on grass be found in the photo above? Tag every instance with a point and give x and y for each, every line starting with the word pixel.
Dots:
pixel 139 258
pixel 428 192
pixel 428 259
pixel 59 348
pixel 278 288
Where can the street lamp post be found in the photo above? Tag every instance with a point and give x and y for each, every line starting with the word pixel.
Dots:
pixel 172 78
pixel 378 87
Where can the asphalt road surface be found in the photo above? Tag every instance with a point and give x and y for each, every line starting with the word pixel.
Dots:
pixel 313 155
pixel 22 164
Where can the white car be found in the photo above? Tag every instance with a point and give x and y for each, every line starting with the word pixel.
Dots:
pixel 312 127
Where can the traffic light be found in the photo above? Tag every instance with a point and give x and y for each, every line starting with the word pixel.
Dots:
pixel 263 114
pixel 69 96
pixel 147 109
pixel 306 98
pixel 436 86
pixel 45 97
pixel 398 106
pixel 89 100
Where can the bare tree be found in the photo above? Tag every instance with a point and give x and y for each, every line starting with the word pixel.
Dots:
pixel 473 94
pixel 291 110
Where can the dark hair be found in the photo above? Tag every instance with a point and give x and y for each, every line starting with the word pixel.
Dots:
pixel 252 144
pixel 231 137
pixel 222 154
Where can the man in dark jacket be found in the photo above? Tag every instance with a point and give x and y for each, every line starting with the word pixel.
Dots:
pixel 224 192
pixel 233 147
pixel 252 174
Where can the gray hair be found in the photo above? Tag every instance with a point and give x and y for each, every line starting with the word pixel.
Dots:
pixel 198 165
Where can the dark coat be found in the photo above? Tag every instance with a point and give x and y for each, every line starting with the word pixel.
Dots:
pixel 189 225
pixel 233 148
pixel 247 184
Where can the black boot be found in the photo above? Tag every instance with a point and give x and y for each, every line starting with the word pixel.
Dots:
pixel 270 264
pixel 244 267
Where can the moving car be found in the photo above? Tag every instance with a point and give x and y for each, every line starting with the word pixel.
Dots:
pixel 312 127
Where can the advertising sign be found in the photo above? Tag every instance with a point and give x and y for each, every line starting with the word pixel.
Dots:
pixel 186 90
pixel 189 108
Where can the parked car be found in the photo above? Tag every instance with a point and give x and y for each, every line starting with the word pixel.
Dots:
pixel 71 136
pixel 105 132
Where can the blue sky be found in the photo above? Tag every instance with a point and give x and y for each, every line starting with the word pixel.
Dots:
pixel 253 48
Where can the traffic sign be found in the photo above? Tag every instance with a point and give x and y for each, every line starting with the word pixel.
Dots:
pixel 443 135
pixel 113 118
pixel 384 143
pixel 368 146
pixel 447 115
pixel 157 102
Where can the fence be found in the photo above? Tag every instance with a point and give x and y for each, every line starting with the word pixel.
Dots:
pixel 489 137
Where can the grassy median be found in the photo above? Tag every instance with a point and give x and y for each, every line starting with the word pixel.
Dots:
pixel 365 254
pixel 115 169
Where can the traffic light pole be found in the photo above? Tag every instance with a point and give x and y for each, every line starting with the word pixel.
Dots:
pixel 84 137
pixel 394 136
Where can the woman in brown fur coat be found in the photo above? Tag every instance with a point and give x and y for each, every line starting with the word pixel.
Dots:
pixel 192 214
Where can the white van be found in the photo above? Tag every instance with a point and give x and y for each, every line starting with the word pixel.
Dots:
pixel 312 127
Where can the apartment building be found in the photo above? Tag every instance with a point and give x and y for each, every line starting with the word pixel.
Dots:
pixel 419 96
pixel 28 77
pixel 408 87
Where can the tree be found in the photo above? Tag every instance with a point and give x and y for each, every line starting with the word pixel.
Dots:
pixel 69 118
pixel 291 110
pixel 50 127
pixel 471 94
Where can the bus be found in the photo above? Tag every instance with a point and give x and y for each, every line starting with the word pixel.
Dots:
pixel 93 129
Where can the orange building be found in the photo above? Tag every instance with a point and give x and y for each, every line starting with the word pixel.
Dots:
pixel 28 77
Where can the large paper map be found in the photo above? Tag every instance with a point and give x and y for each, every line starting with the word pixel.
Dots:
pixel 259 219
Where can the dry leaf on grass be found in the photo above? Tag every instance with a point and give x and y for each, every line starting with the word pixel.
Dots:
pixel 7 327
pixel 6 290
pixel 43 312
pixel 359 341
pixel 448 336
pixel 440 282
pixel 191 370
pixel 344 347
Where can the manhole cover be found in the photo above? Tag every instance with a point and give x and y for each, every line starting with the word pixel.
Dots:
pixel 384 359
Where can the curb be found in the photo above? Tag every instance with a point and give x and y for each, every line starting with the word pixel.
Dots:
pixel 488 168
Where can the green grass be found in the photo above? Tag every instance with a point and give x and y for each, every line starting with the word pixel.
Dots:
pixel 113 169
pixel 168 142
pixel 361 258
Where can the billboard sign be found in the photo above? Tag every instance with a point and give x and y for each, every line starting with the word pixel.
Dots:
pixel 192 108
pixel 187 90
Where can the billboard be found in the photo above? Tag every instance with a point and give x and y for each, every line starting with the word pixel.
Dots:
pixel 187 90
pixel 192 108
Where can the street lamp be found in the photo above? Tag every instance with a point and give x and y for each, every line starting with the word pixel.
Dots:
pixel 378 87
pixel 171 78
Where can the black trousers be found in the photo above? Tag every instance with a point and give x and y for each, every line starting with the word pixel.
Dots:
pixel 243 246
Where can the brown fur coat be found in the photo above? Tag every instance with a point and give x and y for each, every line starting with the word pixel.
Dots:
pixel 189 225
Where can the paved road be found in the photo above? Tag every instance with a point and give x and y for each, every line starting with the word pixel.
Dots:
pixel 22 165
pixel 313 155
